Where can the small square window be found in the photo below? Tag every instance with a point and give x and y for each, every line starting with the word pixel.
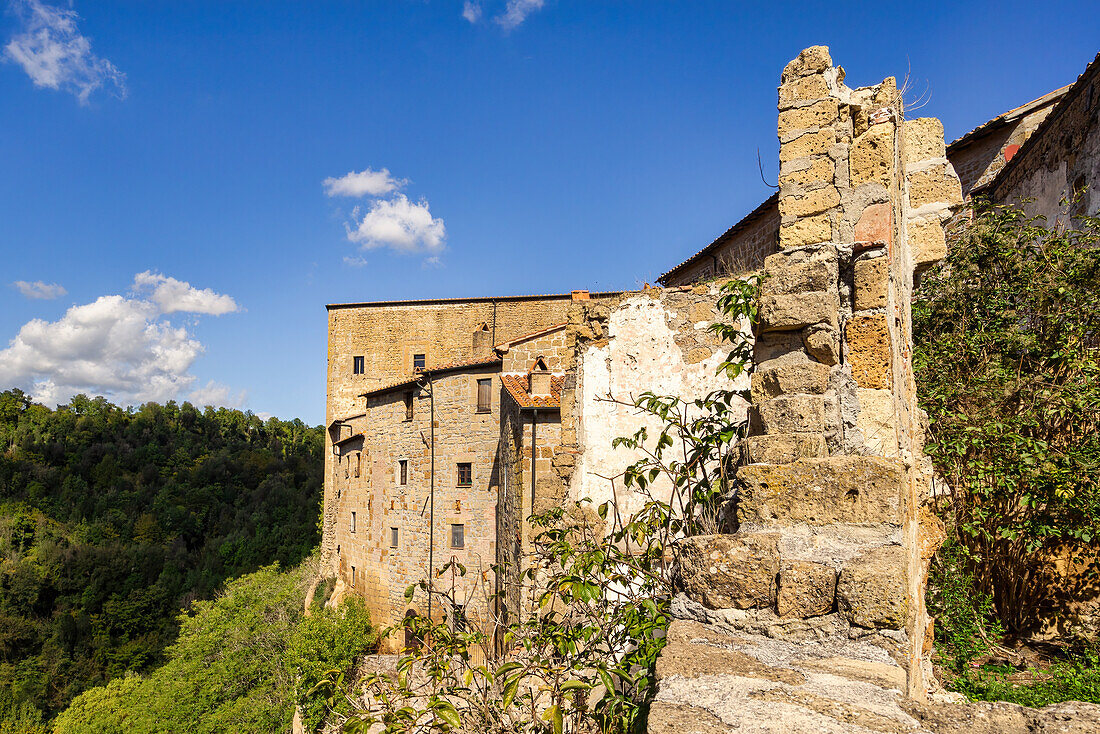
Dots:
pixel 403 472
pixel 353 522
pixel 484 395
pixel 458 536
pixel 419 361
pixel 409 406
pixel 357 365
pixel 393 537
pixel 465 474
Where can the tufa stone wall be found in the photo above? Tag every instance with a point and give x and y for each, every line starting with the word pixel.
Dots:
pixel 833 542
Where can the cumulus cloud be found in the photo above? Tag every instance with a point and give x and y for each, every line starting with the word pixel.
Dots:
pixel 55 55
pixel 171 295
pixel 471 11
pixel 40 291
pixel 516 12
pixel 401 225
pixel 363 183
pixel 122 348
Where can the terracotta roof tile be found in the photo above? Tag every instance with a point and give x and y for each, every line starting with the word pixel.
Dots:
pixel 516 385
pixel 1006 117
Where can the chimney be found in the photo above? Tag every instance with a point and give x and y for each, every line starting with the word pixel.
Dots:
pixel 539 380
pixel 481 340
pixel 581 296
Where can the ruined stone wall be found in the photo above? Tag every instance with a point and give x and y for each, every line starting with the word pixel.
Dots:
pixel 1061 160
pixel 833 540
pixel 655 340
pixel 381 502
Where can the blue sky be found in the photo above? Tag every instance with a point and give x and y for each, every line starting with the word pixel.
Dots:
pixel 165 225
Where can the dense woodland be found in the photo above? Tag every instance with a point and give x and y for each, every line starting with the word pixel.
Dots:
pixel 114 520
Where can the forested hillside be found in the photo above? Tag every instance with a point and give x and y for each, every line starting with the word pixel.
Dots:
pixel 113 520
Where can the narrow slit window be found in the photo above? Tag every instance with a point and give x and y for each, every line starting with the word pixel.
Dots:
pixel 358 464
pixel 403 472
pixel 419 361
pixel 465 474
pixel 458 618
pixel 458 536
pixel 484 395
pixel 393 537
pixel 353 522
pixel 358 365
pixel 409 406
pixel 353 579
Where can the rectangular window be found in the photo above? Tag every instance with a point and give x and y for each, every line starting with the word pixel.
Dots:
pixel 358 464
pixel 458 536
pixel 403 472
pixel 409 406
pixel 353 579
pixel 393 537
pixel 458 618
pixel 419 361
pixel 357 365
pixel 484 395
pixel 353 522
pixel 465 474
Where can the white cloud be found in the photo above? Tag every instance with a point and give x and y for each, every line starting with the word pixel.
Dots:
pixel 119 347
pixel 40 291
pixel 401 225
pixel 516 12
pixel 217 394
pixel 355 261
pixel 363 183
pixel 55 55
pixel 471 11
pixel 171 295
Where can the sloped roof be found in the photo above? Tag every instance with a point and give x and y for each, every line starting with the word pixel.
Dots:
pixel 516 385
pixel 1008 117
pixel 504 346
pixel 415 377
pixel 770 203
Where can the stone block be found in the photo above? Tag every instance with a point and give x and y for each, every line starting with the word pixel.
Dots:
pixel 729 571
pixel 812 60
pixel 872 278
pixel 793 414
pixel 802 89
pixel 932 185
pixel 927 242
pixel 875 225
pixel 821 113
pixel 871 591
pixel 871 158
pixel 808 203
pixel 789 379
pixel 807 171
pixel 840 489
pixel 869 353
pixel 806 231
pixel 783 448
pixel 794 311
pixel 800 271
pixel 806 145
pixel 806 589
pixel 823 344
pixel 877 421
pixel 922 139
